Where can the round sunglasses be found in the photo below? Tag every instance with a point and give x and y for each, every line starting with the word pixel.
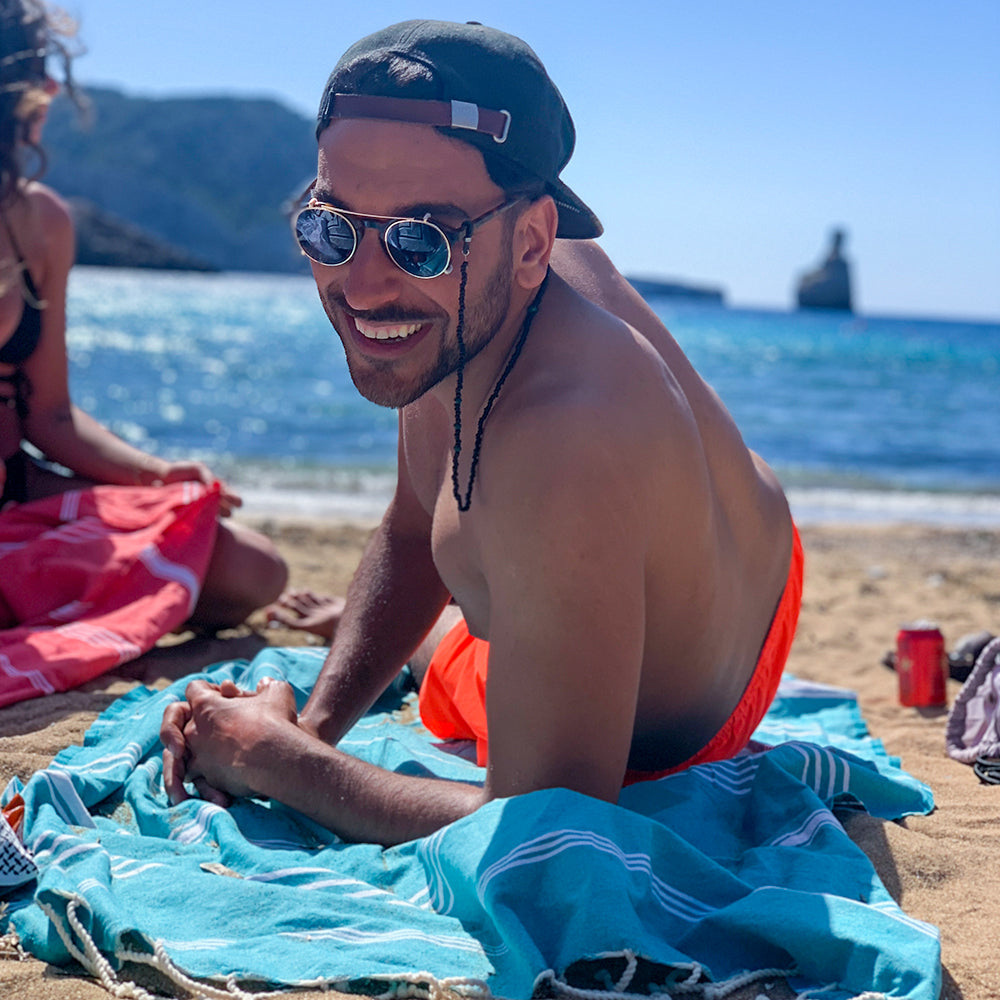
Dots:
pixel 419 247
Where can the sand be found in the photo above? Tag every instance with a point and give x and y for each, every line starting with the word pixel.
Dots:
pixel 861 583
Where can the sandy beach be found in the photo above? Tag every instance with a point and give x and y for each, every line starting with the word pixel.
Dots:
pixel 861 583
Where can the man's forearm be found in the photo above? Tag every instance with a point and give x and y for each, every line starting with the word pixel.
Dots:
pixel 393 601
pixel 354 799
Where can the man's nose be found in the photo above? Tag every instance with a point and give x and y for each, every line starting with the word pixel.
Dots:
pixel 372 278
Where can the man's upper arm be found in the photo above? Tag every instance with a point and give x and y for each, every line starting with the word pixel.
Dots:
pixel 411 516
pixel 564 554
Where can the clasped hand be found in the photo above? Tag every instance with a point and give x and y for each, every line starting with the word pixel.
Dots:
pixel 216 736
pixel 179 472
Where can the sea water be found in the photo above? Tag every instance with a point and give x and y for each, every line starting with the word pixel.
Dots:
pixel 863 418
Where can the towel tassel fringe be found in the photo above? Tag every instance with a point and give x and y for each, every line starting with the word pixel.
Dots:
pixel 421 985
pixel 693 986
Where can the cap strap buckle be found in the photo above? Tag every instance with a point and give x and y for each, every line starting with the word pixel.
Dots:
pixel 449 114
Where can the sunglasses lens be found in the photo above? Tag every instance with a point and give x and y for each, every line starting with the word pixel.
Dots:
pixel 419 248
pixel 324 236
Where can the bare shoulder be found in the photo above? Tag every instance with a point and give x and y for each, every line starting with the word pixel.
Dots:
pixel 742 484
pixel 47 206
pixel 586 267
pixel 591 368
pixel 597 428
pixel 47 227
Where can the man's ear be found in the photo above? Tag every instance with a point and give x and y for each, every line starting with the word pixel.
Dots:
pixel 534 235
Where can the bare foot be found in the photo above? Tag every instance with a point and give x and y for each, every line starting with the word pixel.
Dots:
pixel 308 612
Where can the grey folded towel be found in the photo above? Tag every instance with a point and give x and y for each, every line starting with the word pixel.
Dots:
pixel 973 729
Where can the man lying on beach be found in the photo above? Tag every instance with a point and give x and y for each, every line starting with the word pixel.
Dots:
pixel 626 570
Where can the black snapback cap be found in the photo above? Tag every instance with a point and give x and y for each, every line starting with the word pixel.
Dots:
pixel 491 91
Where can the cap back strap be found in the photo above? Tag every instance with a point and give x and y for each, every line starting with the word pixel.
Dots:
pixel 447 114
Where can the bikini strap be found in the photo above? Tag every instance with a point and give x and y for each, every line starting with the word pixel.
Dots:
pixel 27 281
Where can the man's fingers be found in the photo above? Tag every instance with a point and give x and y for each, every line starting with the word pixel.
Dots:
pixel 210 794
pixel 280 695
pixel 173 777
pixel 199 736
pixel 198 691
pixel 175 718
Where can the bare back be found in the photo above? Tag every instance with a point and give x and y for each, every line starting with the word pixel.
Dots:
pixel 617 509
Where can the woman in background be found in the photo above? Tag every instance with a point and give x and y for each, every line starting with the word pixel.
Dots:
pixel 37 246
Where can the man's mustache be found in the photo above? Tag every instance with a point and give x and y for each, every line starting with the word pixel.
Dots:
pixel 387 314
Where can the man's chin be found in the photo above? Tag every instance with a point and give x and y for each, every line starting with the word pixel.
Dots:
pixel 391 402
pixel 381 392
pixel 385 387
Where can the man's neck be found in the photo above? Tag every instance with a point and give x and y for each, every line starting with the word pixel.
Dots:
pixel 482 371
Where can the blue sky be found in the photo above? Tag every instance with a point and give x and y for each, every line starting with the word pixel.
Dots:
pixel 719 141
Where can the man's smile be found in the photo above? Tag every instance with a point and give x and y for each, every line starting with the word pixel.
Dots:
pixel 385 331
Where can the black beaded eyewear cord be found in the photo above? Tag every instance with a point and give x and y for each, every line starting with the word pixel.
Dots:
pixel 418 247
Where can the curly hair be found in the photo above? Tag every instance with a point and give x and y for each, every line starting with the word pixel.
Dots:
pixel 30 33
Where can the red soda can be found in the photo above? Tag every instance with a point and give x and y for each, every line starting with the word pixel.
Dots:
pixel 922 665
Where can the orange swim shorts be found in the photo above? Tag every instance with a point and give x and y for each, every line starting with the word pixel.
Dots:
pixel 453 692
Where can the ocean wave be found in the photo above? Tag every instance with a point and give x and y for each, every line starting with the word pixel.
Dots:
pixel 846 506
pixel 809 506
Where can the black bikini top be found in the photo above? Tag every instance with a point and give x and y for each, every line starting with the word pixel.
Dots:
pixel 24 339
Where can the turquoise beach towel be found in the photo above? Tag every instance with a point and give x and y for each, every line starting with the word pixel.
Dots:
pixel 723 870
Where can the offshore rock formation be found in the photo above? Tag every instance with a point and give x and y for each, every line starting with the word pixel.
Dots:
pixel 651 288
pixel 829 286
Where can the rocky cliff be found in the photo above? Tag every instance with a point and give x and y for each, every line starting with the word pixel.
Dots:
pixel 201 178
pixel 104 240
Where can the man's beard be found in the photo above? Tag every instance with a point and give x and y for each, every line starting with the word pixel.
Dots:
pixel 379 381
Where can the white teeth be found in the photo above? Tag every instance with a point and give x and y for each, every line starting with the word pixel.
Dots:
pixel 375 332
